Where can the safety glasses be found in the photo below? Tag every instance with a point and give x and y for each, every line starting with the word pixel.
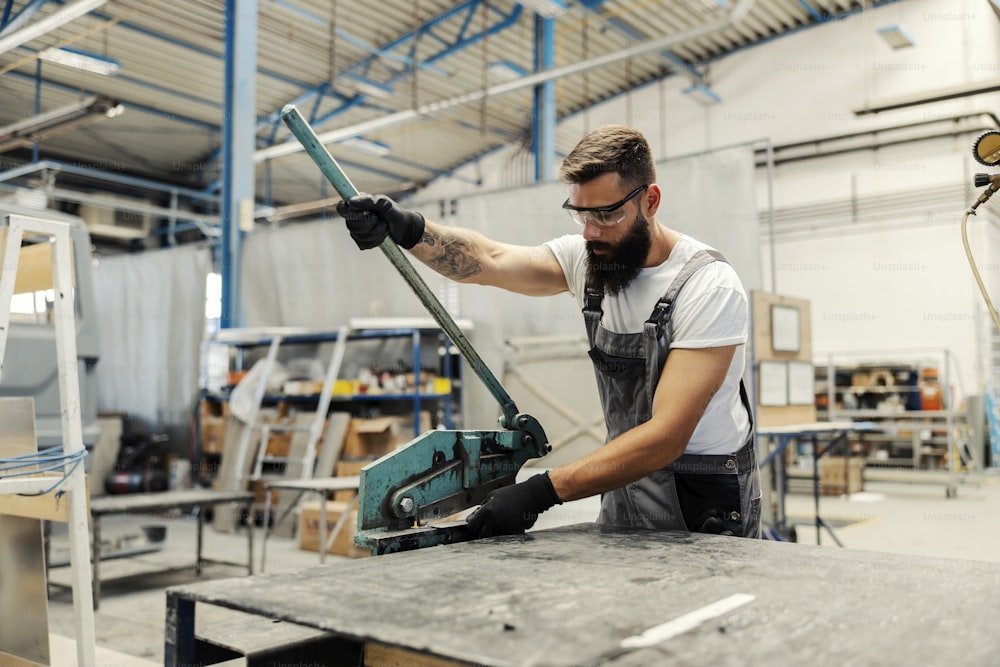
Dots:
pixel 602 216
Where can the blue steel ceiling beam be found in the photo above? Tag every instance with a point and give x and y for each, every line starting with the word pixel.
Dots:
pixel 450 47
pixel 813 12
pixel 463 39
pixel 6 14
pixel 9 25
pixel 679 63
pixel 315 94
pixel 381 53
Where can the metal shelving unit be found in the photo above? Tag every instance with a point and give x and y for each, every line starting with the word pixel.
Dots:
pixel 908 439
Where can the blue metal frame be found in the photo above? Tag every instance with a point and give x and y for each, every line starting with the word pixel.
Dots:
pixel 9 25
pixel 239 134
pixel 38 105
pixel 361 69
pixel 315 95
pixel 543 122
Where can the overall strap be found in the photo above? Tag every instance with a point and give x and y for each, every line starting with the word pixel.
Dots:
pixel 592 298
pixel 663 310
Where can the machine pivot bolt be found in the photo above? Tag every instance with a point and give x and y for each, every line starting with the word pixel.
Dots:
pixel 406 505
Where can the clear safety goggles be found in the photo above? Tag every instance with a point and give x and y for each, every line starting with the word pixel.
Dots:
pixel 602 216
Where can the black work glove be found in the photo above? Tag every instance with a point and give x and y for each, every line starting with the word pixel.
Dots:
pixel 371 217
pixel 513 509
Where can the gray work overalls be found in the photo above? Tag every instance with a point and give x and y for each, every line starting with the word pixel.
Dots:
pixel 698 493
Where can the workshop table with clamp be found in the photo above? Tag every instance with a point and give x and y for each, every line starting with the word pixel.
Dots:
pixel 320 486
pixel 811 433
pixel 582 595
pixel 186 499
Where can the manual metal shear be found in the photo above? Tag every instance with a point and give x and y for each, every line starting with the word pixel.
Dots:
pixel 439 473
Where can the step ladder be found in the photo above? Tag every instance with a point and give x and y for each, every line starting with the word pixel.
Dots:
pixel 249 456
pixel 36 496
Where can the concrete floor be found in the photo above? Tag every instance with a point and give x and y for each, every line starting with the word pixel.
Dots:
pixel 903 518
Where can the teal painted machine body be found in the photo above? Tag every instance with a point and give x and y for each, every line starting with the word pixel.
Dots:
pixel 434 476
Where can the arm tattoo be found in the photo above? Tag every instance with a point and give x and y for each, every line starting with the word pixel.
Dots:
pixel 454 258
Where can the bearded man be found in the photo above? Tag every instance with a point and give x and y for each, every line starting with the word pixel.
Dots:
pixel 667 320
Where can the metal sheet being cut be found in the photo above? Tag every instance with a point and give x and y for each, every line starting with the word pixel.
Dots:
pixel 24 610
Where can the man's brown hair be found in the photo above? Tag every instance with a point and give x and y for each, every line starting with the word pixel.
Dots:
pixel 616 148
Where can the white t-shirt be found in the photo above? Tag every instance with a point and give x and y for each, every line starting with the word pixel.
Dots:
pixel 710 311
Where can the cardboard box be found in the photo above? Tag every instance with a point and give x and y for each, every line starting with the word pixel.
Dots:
pixel 214 419
pixel 837 477
pixel 278 443
pixel 343 545
pixel 368 438
pixel 406 426
pixel 302 387
pixel 256 486
pixel 348 469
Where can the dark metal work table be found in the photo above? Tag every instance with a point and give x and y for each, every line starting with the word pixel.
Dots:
pixel 578 595
pixel 141 503
pixel 788 434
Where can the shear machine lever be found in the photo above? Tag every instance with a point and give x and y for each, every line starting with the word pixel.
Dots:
pixel 440 472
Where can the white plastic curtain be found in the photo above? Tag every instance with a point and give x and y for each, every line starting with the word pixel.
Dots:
pixel 151 319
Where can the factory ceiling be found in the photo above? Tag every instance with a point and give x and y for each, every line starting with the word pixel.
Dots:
pixel 406 90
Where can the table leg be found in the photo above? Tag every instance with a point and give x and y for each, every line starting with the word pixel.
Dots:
pixel 267 527
pixel 95 561
pixel 815 448
pixel 201 526
pixel 250 531
pixel 322 527
pixel 178 648
pixel 340 523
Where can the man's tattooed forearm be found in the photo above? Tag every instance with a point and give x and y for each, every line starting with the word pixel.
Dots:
pixel 454 258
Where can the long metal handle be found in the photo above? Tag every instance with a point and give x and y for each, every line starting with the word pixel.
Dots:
pixel 307 137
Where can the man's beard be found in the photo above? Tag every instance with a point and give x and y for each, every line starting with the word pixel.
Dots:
pixel 620 264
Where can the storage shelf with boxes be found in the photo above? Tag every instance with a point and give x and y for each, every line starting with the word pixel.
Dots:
pixel 912 399
pixel 421 393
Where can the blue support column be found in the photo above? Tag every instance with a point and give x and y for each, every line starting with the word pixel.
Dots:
pixel 239 130
pixel 38 105
pixel 543 123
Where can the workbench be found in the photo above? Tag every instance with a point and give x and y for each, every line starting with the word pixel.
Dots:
pixel 320 486
pixel 582 595
pixel 149 503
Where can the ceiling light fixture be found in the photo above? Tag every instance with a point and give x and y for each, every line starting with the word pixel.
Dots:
pixel 42 126
pixel 48 24
pixel 375 148
pixel 88 62
pixel 548 8
pixel 897 36
pixel 504 71
pixel 702 94
pixel 366 86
